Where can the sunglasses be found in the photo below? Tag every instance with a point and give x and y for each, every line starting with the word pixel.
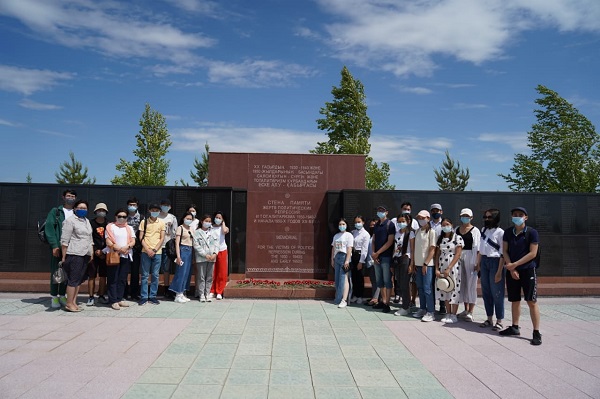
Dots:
pixel 487 217
pixel 121 216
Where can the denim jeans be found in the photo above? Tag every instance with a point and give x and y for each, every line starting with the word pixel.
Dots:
pixel 150 266
pixel 426 300
pixel 492 292
pixel 383 275
pixel 341 277
pixel 116 279
pixel 181 278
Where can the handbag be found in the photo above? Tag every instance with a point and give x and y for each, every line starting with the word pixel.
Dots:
pixel 113 259
pixel 59 276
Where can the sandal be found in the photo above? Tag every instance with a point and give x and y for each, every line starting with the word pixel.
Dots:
pixel 371 303
pixel 498 326
pixel 486 324
pixel 68 309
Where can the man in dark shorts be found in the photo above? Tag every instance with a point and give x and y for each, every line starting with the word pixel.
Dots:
pixel 520 250
pixel 98 266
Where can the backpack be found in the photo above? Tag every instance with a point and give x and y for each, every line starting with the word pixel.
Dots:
pixel 538 256
pixel 41 227
pixel 170 250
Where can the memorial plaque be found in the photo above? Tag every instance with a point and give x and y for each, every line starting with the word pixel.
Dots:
pixel 288 234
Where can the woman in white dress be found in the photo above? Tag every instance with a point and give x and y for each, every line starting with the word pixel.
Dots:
pixel 447 257
pixel 469 266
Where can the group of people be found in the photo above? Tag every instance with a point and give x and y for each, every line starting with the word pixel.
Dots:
pixel 435 259
pixel 124 253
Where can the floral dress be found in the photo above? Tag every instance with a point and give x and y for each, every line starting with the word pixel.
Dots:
pixel 447 253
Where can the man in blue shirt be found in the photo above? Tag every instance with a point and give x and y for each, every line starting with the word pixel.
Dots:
pixel 383 248
pixel 520 250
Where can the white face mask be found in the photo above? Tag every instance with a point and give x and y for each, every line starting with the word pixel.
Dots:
pixel 188 222
pixel 422 222
pixel 218 221
pixel 206 225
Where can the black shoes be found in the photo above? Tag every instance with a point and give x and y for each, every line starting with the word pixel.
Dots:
pixel 537 338
pixel 512 330
pixel 386 308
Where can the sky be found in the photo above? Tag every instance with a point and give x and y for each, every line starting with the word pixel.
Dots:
pixel 251 76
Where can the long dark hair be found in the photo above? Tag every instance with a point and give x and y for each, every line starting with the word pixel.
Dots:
pixel 443 235
pixel 495 221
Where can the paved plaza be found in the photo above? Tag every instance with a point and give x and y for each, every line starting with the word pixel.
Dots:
pixel 289 349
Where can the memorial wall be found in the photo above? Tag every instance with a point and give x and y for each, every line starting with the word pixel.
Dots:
pixel 287 233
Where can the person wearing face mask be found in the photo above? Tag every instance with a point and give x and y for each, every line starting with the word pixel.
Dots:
pixel 134 218
pixel 469 266
pixel 447 256
pixel 195 222
pixel 206 248
pixel 77 251
pixel 120 238
pixel 341 256
pixel 362 241
pixel 404 247
pixel 520 247
pixel 491 265
pixel 221 264
pixel 98 266
pixel 424 266
pixel 383 248
pixel 153 236
pixel 53 230
pixel 436 224
pixel 183 263
pixel 170 229
pixel 371 270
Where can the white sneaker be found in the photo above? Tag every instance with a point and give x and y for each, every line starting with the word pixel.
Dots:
pixel 453 318
pixel 185 298
pixel 55 304
pixel 179 299
pixel 219 296
pixel 401 312
pixel 353 299
pixel 359 301
pixel 428 317
pixel 343 304
pixel 211 295
pixel 202 298
pixel 469 317
pixel 209 298
pixel 420 313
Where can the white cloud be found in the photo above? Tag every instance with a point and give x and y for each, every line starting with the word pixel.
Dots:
pixel 28 81
pixel 110 28
pixel 405 37
pixel 197 6
pixel 30 104
pixel 415 90
pixel 4 122
pixel 225 137
pixel 256 73
pixel 409 150
pixel 517 141
pixel 460 106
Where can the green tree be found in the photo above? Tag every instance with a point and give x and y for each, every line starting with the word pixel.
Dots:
pixel 200 176
pixel 450 176
pixel 349 128
pixel 28 179
pixel 151 166
pixel 565 154
pixel 73 172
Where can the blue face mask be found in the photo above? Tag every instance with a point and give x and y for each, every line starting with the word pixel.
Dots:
pixel 436 215
pixel 132 208
pixel 342 227
pixel 446 229
pixel 81 213
pixel 518 220
pixel 465 220
pixel 218 221
pixel 165 208
pixel 380 215
pixel 154 214
pixel 358 226
pixel 402 225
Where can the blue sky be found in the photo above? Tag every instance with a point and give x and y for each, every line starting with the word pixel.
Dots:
pixel 252 76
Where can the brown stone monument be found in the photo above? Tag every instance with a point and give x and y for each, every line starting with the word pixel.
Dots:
pixel 287 233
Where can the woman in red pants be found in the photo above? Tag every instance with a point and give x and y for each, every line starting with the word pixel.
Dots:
pixel 221 268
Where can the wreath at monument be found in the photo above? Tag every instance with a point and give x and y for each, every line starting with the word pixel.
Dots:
pixel 289 284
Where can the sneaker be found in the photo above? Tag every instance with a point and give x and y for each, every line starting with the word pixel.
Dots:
pixel 90 301
pixel 510 330
pixel 209 298
pixel 62 300
pixel 401 312
pixel 420 313
pixel 537 338
pixel 359 301
pixel 463 314
pixel 211 295
pixel 342 304
pixel 412 305
pixel 154 301
pixel 219 296
pixel 179 299
pixel 123 304
pixel 353 299
pixel 386 308
pixel 397 299
pixel 446 319
pixel 453 318
pixel 142 301
pixel 378 305
pixel 115 306
pixel 185 298
pixel 102 298
pixel 469 317
pixel 55 303
pixel 428 317
pixel 202 298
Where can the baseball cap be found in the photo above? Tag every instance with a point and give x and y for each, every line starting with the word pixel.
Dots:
pixel 519 208
pixel 101 205
pixel 436 206
pixel 466 211
pixel 382 207
pixel 424 214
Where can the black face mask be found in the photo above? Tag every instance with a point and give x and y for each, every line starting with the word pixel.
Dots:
pixel 488 223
